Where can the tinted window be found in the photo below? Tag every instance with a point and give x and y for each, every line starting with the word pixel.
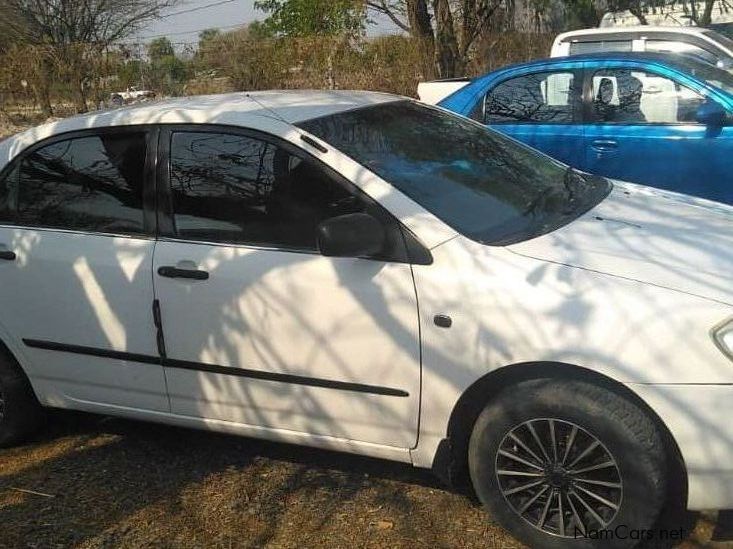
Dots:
pixel 483 184
pixel 623 96
pixel 674 46
pixel 90 183
pixel 724 40
pixel 540 97
pixel 238 189
pixel 599 45
pixel 714 76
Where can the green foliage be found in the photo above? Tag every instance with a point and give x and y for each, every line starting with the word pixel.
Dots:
pixel 582 13
pixel 313 17
pixel 207 36
pixel 168 74
pixel 257 30
pixel 160 48
pixel 131 73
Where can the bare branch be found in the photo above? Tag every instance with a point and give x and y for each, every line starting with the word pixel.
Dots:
pixel 391 11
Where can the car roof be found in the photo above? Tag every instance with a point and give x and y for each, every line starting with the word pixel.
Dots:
pixel 649 57
pixel 634 29
pixel 246 109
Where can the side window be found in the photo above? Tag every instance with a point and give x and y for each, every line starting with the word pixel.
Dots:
pixel 599 46
pixel 673 46
pixel 90 183
pixel 625 96
pixel 238 189
pixel 548 98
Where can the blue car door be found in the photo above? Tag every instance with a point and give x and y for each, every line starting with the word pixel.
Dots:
pixel 541 108
pixel 642 128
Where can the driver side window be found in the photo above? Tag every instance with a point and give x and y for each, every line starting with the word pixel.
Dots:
pixel 239 189
pixel 629 96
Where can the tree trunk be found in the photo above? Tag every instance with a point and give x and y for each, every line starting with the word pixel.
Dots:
pixel 707 14
pixel 421 30
pixel 42 94
pixel 636 11
pixel 419 20
pixel 80 97
pixel 447 59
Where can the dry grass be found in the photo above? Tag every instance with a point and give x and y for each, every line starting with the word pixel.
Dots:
pixel 117 483
pixel 235 61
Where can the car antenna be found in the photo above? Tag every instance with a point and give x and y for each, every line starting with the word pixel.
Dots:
pixel 307 138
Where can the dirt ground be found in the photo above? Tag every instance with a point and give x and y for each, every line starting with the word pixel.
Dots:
pixel 90 481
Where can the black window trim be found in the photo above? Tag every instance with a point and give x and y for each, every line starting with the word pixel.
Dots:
pixel 589 115
pixel 149 180
pixel 577 111
pixel 411 252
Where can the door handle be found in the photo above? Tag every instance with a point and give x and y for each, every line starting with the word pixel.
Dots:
pixel 7 255
pixel 604 145
pixel 175 272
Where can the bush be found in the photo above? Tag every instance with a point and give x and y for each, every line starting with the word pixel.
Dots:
pixel 238 61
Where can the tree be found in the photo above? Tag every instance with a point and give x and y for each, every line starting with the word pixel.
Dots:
pixel 454 30
pixel 582 13
pixel 160 48
pixel 313 17
pixel 207 36
pixel 71 31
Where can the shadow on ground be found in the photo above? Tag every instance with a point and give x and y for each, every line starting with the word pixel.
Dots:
pixel 90 481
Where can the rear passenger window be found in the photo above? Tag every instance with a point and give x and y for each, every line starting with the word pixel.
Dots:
pixel 549 98
pixel 90 183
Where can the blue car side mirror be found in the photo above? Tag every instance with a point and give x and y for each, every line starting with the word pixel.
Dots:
pixel 711 113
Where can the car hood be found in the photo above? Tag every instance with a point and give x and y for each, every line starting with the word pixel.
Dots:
pixel 652 236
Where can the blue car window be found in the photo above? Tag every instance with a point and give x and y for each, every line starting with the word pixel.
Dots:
pixel 629 96
pixel 546 97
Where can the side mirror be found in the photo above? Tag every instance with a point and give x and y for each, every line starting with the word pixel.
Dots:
pixel 711 113
pixel 351 235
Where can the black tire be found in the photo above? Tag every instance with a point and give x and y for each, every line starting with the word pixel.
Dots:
pixel 20 413
pixel 635 482
pixel 116 100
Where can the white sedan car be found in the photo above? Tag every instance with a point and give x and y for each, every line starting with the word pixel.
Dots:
pixel 361 272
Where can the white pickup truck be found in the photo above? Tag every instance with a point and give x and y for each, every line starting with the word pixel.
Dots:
pixel 131 95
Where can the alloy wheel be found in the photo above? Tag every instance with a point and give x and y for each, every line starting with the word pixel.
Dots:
pixel 559 477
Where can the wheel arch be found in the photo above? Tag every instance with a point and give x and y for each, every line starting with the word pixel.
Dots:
pixel 12 361
pixel 450 462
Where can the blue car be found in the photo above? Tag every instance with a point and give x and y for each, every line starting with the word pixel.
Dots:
pixel 661 120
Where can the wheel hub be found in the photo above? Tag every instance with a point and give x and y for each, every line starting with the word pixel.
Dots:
pixel 558 477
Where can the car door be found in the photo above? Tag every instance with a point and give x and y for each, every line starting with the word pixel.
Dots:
pixel 260 328
pixel 642 128
pixel 541 109
pixel 76 252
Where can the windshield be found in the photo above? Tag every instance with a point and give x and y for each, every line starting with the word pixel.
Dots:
pixel 719 78
pixel 484 185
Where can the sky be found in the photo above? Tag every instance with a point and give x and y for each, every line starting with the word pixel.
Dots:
pixel 182 23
